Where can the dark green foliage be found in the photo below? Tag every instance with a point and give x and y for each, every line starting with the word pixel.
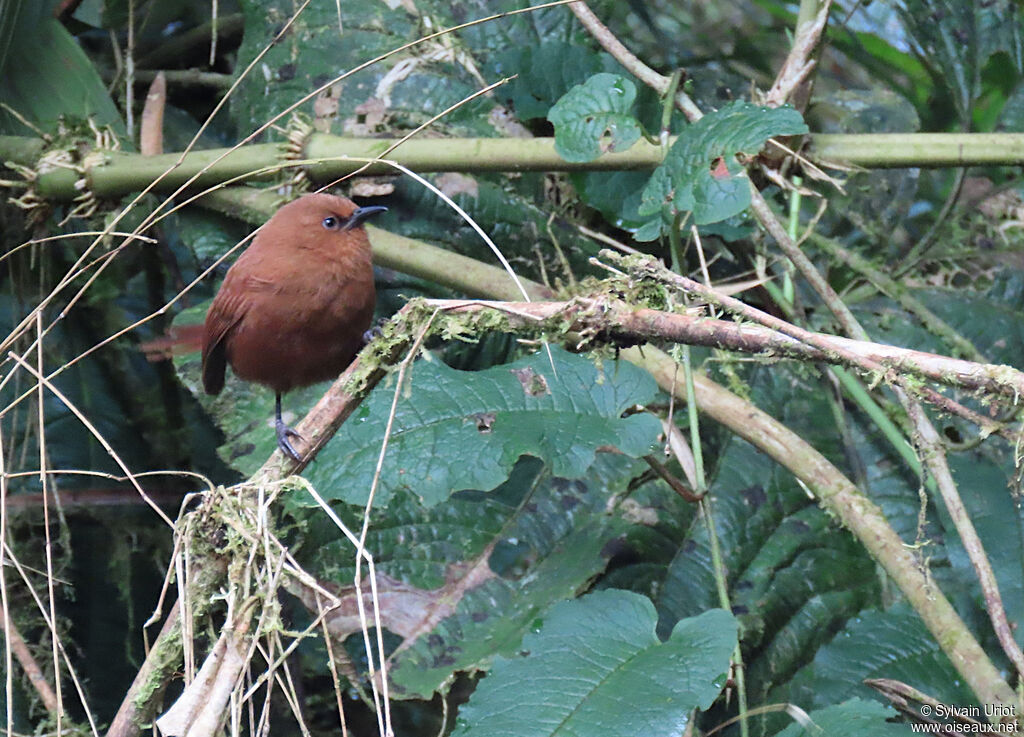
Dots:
pixel 459 430
pixel 60 84
pixel 595 662
pixel 701 173
pixel 853 718
pixel 541 492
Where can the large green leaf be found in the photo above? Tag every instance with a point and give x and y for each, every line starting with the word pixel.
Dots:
pixel 982 479
pixel 434 75
pixel 16 16
pixel 493 561
pixel 701 173
pixel 793 577
pixel 62 82
pixel 590 113
pixel 545 72
pixel 958 38
pixel 464 430
pixel 452 429
pixel 595 667
pixel 893 644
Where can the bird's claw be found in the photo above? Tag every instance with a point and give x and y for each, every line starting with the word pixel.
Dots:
pixel 283 433
pixel 375 331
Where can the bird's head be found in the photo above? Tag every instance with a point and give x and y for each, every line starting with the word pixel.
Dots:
pixel 318 221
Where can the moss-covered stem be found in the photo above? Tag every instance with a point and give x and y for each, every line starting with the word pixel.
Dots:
pixel 898 292
pixel 650 267
pixel 162 662
pixel 599 314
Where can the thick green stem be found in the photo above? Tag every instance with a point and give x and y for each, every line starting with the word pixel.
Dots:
pixel 898 150
pixel 329 157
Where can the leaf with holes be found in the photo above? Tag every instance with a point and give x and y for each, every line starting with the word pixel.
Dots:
pixel 589 112
pixel 702 173
pixel 465 429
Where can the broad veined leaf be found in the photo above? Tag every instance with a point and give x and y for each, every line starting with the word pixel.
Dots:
pixel 452 429
pixel 891 644
pixel 464 430
pixel 476 571
pixel 595 117
pixel 545 72
pixel 491 618
pixel 702 174
pixel 596 667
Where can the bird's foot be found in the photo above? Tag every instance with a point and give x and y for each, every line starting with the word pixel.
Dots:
pixel 283 433
pixel 375 331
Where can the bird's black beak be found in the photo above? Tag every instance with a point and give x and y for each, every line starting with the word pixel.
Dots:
pixel 356 218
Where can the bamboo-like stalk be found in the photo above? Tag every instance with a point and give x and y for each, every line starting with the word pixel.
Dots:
pixel 896 150
pixel 117 173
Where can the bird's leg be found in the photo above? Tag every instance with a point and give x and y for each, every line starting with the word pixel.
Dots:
pixel 284 432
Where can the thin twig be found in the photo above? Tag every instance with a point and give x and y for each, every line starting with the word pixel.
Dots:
pixel 42 608
pixel 6 612
pixel 16 644
pixel 773 339
pixel 95 433
pixel 47 484
pixel 361 546
pixel 624 56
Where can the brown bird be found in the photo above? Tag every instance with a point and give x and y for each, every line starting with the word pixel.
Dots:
pixel 293 309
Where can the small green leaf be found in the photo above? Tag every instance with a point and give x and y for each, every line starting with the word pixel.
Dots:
pixel 596 667
pixel 588 112
pixel 701 173
pixel 545 72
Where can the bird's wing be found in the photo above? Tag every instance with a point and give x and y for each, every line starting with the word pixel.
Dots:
pixel 232 303
pixel 227 310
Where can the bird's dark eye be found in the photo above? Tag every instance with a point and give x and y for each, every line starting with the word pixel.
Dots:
pixel 331 223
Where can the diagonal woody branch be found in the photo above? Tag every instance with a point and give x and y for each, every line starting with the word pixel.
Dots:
pixel 615 319
pixel 649 267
